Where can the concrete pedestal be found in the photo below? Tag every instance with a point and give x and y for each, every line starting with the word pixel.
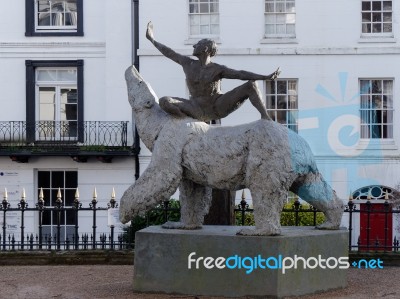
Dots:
pixel 219 259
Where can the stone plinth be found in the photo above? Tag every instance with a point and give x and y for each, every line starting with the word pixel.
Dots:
pixel 162 261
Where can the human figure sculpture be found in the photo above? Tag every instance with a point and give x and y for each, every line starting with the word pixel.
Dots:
pixel 203 79
pixel 266 157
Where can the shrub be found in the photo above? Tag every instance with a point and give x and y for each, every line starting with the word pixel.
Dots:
pixel 288 217
pixel 155 216
pixel 305 215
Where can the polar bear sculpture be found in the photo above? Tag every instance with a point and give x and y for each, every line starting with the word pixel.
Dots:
pixel 263 156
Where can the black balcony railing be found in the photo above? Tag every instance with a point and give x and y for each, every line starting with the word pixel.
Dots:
pixel 63 137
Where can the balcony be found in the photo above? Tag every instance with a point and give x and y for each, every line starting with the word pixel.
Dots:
pixel 102 139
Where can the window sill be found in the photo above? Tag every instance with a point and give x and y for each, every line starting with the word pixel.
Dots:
pixel 371 144
pixel 279 40
pixel 54 33
pixel 377 39
pixel 195 40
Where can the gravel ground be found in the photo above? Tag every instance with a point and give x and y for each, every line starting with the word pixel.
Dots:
pixel 42 282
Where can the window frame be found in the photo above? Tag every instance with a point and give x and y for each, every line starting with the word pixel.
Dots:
pixel 31 96
pixel 30 19
pixel 50 192
pixel 275 35
pixel 369 124
pixel 293 111
pixel 376 34
pixel 205 35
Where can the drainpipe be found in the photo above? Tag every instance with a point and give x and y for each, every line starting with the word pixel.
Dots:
pixel 135 62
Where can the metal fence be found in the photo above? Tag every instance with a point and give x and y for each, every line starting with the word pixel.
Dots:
pixel 370 224
pixel 362 225
pixel 56 241
pixel 58 135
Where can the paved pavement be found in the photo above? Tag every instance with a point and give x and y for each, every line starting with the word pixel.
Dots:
pixel 81 282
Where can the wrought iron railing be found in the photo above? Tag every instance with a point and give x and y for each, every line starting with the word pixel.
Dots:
pixel 63 135
pixel 361 239
pixel 77 239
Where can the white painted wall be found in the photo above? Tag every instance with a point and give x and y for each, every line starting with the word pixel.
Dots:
pixel 328 43
pixel 106 49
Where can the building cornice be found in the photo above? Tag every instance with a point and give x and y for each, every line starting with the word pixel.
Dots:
pixel 371 50
pixel 22 49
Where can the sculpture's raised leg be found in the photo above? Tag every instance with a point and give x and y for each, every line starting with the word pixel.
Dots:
pixel 315 190
pixel 195 202
pixel 267 213
pixel 153 186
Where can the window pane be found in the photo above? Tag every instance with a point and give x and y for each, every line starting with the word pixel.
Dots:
pixel 57 6
pixel 271 102
pixel 193 8
pixel 47 97
pixel 280 7
pixel 43 6
pixel 290 18
pixel 280 29
pixel 71 19
pixel 387 5
pixel 365 86
pixel 366 5
pixel 204 29
pixel 204 8
pixel 282 88
pixel 214 7
pixel 44 179
pixel 69 197
pixel 366 17
pixel 282 102
pixel 376 5
pixel 270 19
pixel 269 29
pixel 205 20
pixel 269 7
pixel 376 86
pixel 387 27
pixel 71 6
pixel 365 102
pixel 57 179
pixel 366 28
pixel 290 7
pixel 44 19
pixel 376 17
pixel 214 19
pixel 57 19
pixel 377 102
pixel 71 179
pixel 67 75
pixel 387 86
pixel 281 18
pixel 194 20
pixel 46 75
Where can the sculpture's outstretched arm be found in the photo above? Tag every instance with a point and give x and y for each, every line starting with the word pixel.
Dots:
pixel 229 73
pixel 166 51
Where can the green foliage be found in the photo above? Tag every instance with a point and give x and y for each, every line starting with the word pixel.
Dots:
pixel 288 216
pixel 155 216
pixel 248 219
pixel 305 215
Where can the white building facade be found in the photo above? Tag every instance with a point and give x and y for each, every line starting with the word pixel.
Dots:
pixel 338 86
pixel 65 121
